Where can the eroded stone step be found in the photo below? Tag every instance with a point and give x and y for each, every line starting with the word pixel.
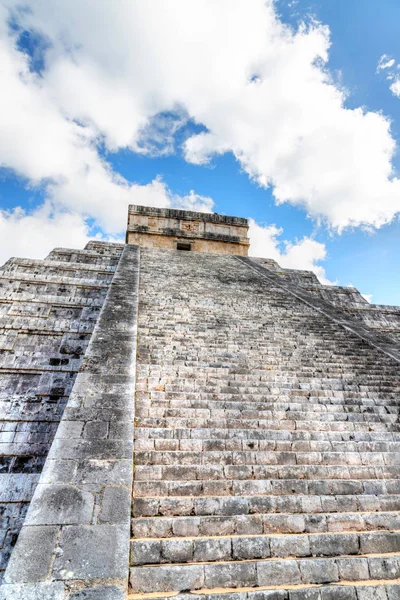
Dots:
pixel 262 487
pixel 267 405
pixel 238 548
pixel 243 505
pixel 243 445
pixel 192 471
pixel 260 414
pixel 216 433
pixel 259 523
pixel 284 572
pixel 350 590
pixel 270 458
pixel 278 423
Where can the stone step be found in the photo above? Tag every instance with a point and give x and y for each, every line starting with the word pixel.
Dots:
pixel 243 505
pixel 262 487
pixel 238 548
pixel 350 590
pixel 200 433
pixel 252 404
pixel 275 369
pixel 280 416
pixel 272 423
pixel 262 523
pixel 198 472
pixel 251 573
pixel 302 386
pixel 268 458
pixel 242 445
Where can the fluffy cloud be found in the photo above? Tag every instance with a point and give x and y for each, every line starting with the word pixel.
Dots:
pixel 129 74
pixel 34 235
pixel 38 142
pixel 304 254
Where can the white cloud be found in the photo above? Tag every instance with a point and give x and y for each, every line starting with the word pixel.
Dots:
pixel 395 87
pixel 34 235
pixel 367 297
pixel 114 72
pixel 388 64
pixel 38 142
pixel 385 62
pixel 305 254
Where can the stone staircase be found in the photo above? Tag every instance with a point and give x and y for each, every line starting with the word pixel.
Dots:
pixel 267 443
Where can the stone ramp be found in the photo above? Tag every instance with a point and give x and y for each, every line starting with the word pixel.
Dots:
pixel 266 443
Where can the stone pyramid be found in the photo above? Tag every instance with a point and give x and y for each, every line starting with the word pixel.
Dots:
pixel 224 429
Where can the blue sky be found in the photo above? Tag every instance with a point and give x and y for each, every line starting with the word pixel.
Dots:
pixel 229 106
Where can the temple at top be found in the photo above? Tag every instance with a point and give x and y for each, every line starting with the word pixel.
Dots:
pixel 187 230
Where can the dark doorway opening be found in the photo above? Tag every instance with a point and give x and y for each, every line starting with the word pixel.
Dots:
pixel 183 246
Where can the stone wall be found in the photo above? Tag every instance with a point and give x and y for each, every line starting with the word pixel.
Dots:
pixel 75 540
pixel 48 310
pixel 205 232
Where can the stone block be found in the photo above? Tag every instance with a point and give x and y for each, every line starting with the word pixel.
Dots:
pixel 166 578
pixel 101 592
pixel 371 593
pixel 267 595
pixel 115 505
pixel 58 471
pixel 145 552
pixel 338 593
pixel 60 505
pixel 108 471
pixel 177 550
pixel 270 573
pixel 226 575
pixel 305 594
pixel 285 546
pixel 334 545
pixel 212 549
pixel 319 571
pixel 393 592
pixel 33 591
pixel 250 548
pixel 353 569
pixel 96 551
pixel 33 555
pixel 384 567
pixel 379 543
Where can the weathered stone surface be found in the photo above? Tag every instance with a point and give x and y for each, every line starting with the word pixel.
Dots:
pixel 187 230
pixel 60 505
pixel 91 552
pixel 115 505
pixel 33 591
pixel 261 433
pixel 48 312
pixel 92 542
pixel 99 593
pixel 32 558
pixel 267 431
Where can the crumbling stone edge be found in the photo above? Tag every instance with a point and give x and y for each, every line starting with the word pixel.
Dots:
pixel 378 340
pixel 75 540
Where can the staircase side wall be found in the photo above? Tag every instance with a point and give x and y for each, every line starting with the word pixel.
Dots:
pixel 48 310
pixel 75 538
